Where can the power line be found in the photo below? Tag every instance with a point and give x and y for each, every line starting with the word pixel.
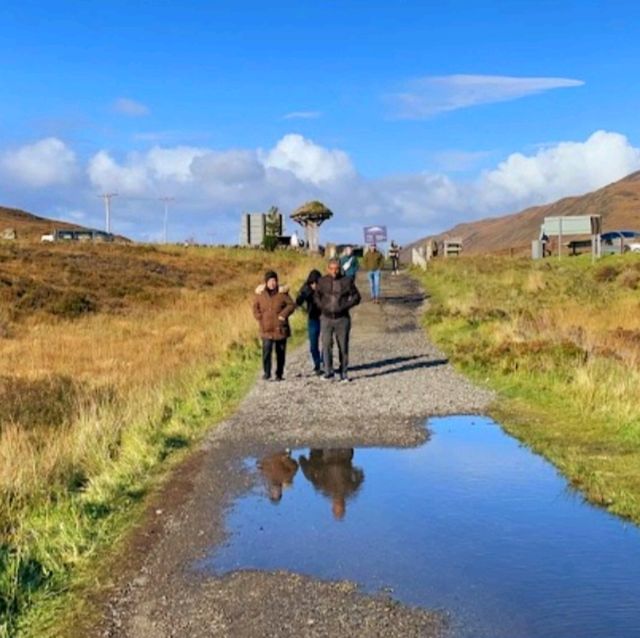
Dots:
pixel 107 208
pixel 166 201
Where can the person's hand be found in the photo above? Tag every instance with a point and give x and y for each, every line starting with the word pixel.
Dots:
pixel 281 318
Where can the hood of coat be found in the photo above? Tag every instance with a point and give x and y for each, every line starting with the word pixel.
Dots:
pixel 314 277
pixel 281 288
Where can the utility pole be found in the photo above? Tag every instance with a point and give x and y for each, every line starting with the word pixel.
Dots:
pixel 107 208
pixel 166 201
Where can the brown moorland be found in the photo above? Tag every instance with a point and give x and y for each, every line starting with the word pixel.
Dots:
pixel 28 226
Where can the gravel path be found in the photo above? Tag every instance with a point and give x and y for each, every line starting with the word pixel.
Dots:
pixel 399 379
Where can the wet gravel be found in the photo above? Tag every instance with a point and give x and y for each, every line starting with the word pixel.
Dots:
pixel 398 380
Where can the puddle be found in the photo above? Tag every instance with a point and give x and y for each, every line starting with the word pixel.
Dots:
pixel 470 523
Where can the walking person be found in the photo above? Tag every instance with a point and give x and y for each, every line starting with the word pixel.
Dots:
pixel 272 308
pixel 349 263
pixel 372 262
pixel 335 296
pixel 306 299
pixel 394 255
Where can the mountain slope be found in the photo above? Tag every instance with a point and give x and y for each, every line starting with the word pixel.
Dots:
pixel 28 226
pixel 617 203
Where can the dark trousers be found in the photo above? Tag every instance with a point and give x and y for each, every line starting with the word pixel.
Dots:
pixel 339 328
pixel 280 346
pixel 314 342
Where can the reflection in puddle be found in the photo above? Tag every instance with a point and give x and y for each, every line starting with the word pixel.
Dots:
pixel 332 473
pixel 469 522
pixel 278 471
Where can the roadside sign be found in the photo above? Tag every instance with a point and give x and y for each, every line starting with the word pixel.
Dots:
pixel 572 225
pixel 375 234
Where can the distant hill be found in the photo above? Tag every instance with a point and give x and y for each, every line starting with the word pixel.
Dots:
pixel 617 203
pixel 28 226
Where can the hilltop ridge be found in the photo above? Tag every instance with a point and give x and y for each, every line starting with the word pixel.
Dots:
pixel 618 204
pixel 28 226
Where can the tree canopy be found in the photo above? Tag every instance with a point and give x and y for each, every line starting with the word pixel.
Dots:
pixel 313 211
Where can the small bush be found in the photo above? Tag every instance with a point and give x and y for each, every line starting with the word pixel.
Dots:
pixel 48 402
pixel 73 304
pixel 629 278
pixel 270 242
pixel 606 273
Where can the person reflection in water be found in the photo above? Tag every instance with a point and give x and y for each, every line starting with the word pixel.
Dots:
pixel 278 471
pixel 332 473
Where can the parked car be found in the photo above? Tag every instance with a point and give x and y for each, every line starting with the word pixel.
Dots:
pixel 620 241
pixel 634 246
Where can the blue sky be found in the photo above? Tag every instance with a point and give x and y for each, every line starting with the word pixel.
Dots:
pixel 382 109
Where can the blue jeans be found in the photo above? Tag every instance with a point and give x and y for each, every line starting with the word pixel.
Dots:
pixel 314 342
pixel 374 283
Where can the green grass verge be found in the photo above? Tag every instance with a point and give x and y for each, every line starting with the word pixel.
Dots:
pixel 44 576
pixel 559 342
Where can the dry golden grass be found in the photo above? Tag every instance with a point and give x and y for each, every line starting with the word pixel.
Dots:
pixel 119 361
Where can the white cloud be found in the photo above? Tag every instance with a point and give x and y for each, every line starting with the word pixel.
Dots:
pixel 105 173
pixel 143 173
pixel 130 108
pixel 566 168
pixel 308 161
pixel 229 167
pixel 172 163
pixel 293 164
pixel 302 115
pixel 212 186
pixel 428 96
pixel 47 162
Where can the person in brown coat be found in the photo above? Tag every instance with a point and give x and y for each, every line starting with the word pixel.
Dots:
pixel 272 308
pixel 278 471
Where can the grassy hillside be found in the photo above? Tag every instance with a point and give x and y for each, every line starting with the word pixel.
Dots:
pixel 113 358
pixel 618 203
pixel 560 342
pixel 29 227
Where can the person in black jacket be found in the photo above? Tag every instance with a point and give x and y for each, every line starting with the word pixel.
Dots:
pixel 332 473
pixel 335 295
pixel 306 299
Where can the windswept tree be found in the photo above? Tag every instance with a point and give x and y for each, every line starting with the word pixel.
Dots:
pixel 310 216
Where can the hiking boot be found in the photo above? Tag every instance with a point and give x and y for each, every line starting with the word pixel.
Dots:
pixel 279 378
pixel 344 378
pixel 327 377
pixel 266 377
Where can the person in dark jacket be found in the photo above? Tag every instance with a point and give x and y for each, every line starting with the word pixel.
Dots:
pixel 306 299
pixel 335 296
pixel 333 474
pixel 272 307
pixel 394 256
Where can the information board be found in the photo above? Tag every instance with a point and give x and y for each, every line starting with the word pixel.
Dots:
pixel 572 225
pixel 375 234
